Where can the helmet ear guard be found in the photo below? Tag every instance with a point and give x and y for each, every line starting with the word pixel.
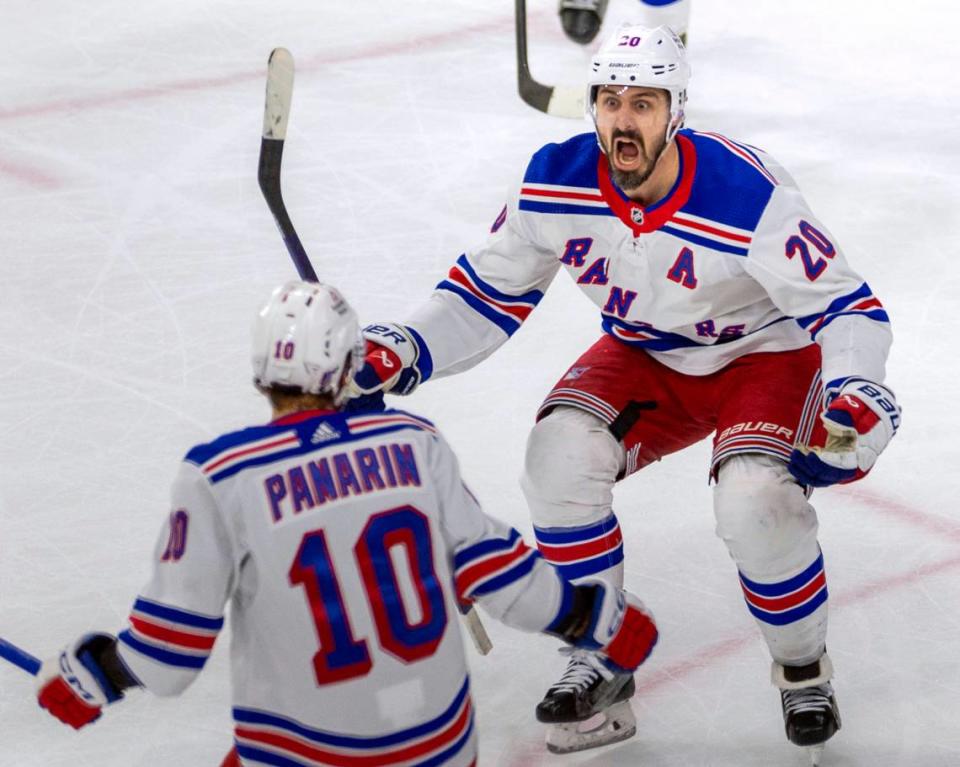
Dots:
pixel 636 56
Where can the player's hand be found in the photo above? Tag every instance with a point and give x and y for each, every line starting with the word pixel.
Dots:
pixel 623 629
pixel 74 686
pixel 388 365
pixel 610 621
pixel 860 421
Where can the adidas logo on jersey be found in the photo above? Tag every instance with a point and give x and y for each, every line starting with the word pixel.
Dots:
pixel 324 433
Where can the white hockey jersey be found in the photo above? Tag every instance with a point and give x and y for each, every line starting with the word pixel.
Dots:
pixel 731 262
pixel 343 544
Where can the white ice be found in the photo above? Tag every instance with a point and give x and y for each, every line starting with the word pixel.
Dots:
pixel 135 247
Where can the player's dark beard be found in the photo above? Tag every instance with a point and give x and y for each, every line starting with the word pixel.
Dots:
pixel 631 179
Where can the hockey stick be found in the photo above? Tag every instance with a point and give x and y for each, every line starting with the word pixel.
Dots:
pixel 560 101
pixel 276 114
pixel 479 635
pixel 13 654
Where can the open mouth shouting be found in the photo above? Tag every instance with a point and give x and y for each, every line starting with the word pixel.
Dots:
pixel 628 154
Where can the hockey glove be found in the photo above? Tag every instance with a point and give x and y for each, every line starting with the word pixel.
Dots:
pixel 390 362
pixel 82 679
pixel 610 621
pixel 860 421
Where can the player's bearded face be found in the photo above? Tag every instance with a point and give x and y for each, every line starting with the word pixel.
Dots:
pixel 631 124
pixel 631 159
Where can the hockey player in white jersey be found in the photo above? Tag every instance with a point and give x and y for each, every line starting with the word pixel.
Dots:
pixel 727 309
pixel 343 543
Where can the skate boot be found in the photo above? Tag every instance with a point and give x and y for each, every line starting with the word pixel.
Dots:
pixel 588 707
pixel 581 19
pixel 810 713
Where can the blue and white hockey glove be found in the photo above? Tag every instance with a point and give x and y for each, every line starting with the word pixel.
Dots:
pixel 390 361
pixel 610 621
pixel 86 676
pixel 860 422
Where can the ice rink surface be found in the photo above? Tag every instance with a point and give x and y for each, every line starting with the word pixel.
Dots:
pixel 135 249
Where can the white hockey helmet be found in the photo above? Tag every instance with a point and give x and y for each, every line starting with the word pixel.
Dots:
pixel 304 338
pixel 639 56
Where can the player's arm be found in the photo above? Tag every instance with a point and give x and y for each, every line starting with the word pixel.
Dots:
pixel 806 275
pixel 483 300
pixel 494 567
pixel 172 626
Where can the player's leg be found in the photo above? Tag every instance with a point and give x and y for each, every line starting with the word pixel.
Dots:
pixel 582 19
pixel 571 465
pixel 672 13
pixel 594 429
pixel 771 530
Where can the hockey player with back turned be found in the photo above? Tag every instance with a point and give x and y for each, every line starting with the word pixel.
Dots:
pixel 727 309
pixel 343 542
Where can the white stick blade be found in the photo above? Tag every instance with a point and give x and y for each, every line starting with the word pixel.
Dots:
pixel 567 102
pixel 276 112
pixel 481 640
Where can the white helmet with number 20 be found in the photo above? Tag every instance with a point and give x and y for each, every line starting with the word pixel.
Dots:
pixel 638 56
pixel 304 338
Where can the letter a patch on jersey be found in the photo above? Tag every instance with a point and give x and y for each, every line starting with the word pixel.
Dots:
pixel 682 270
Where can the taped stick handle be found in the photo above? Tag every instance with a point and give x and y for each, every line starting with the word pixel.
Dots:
pixel 471 619
pixel 21 658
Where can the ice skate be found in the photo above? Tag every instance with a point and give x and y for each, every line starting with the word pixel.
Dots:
pixel 588 707
pixel 810 713
pixel 581 19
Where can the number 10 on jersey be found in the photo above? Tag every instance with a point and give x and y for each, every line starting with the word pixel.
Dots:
pixel 403 531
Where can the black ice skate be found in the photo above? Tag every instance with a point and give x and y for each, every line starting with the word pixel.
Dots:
pixel 581 19
pixel 810 713
pixel 588 707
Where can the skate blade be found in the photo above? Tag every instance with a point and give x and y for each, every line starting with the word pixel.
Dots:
pixel 816 754
pixel 611 725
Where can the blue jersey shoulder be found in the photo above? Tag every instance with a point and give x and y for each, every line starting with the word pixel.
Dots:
pixel 731 185
pixel 572 163
pixel 205 452
pixel 308 433
pixel 389 419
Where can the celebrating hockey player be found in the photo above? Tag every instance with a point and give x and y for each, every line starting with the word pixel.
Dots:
pixel 344 544
pixel 727 309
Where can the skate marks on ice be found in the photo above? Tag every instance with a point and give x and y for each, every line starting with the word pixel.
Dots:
pixel 643 749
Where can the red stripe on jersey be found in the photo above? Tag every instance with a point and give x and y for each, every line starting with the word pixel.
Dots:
pixel 779 604
pixel 712 230
pixel 356 758
pixel 870 302
pixel 520 312
pixel 164 634
pixel 250 450
pixel 575 551
pixel 467 578
pixel 358 423
pixel 563 195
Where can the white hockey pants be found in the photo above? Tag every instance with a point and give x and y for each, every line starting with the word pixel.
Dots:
pixel 573 461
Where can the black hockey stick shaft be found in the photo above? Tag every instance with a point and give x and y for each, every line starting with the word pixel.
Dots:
pixel 276 114
pixel 533 93
pixel 556 100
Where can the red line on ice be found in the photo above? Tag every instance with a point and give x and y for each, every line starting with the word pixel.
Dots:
pixel 707 656
pixel 28 175
pixel 201 84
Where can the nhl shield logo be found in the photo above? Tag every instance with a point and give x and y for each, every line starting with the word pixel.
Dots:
pixel 637 215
